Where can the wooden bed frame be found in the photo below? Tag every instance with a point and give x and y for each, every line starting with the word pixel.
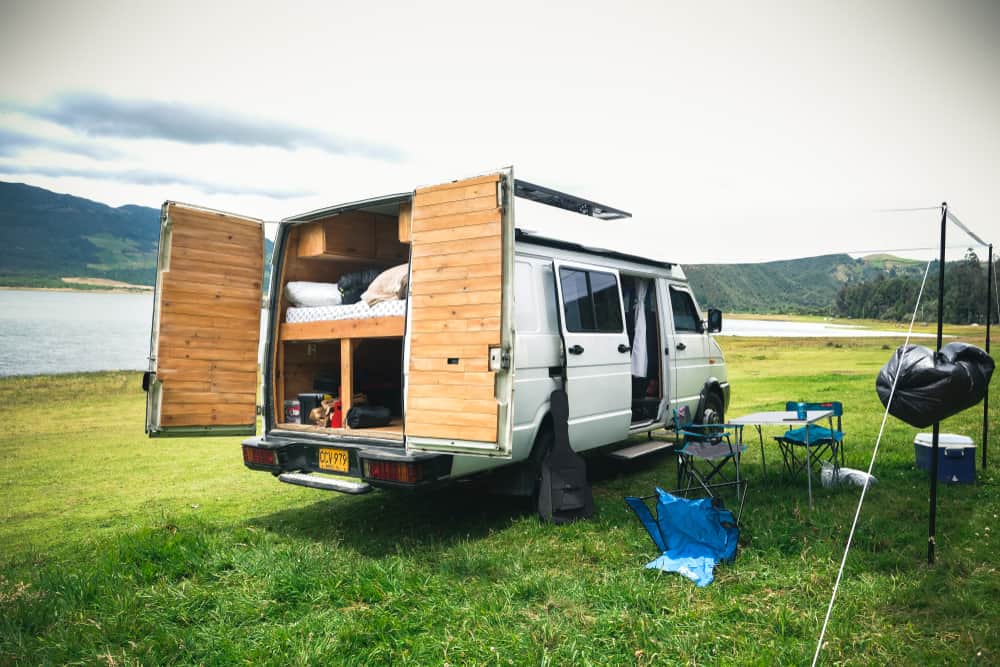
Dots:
pixel 347 331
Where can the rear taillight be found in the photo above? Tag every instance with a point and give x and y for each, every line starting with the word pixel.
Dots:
pixel 264 457
pixel 393 471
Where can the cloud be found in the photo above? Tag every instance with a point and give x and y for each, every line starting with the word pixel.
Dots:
pixel 104 116
pixel 147 177
pixel 14 141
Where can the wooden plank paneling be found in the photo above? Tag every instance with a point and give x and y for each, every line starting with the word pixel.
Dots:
pixel 440 364
pixel 464 259
pixel 452 432
pixel 469 312
pixel 435 378
pixel 404 222
pixel 466 405
pixel 375 327
pixel 456 299
pixel 459 183
pixel 456 251
pixel 478 391
pixel 209 303
pixel 440 326
pixel 421 212
pixel 489 229
pixel 484 243
pixel 456 273
pixel 206 265
pixel 455 221
pixel 463 338
pixel 346 375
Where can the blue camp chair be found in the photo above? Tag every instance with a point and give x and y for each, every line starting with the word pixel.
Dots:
pixel 825 445
pixel 703 454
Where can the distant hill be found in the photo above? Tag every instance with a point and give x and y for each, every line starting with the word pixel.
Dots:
pixel 808 285
pixel 46 236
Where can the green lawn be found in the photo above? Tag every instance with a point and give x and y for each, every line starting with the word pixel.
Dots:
pixel 119 550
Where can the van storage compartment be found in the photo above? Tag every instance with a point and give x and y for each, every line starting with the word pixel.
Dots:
pixel 956 456
pixel 350 348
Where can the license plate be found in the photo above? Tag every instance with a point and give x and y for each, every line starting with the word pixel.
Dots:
pixel 333 459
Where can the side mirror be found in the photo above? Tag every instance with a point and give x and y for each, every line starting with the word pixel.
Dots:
pixel 714 320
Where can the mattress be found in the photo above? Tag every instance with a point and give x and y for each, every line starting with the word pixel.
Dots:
pixel 354 311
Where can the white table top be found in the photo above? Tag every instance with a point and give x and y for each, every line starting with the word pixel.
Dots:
pixel 780 417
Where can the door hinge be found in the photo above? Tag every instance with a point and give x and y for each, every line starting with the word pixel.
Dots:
pixel 499 359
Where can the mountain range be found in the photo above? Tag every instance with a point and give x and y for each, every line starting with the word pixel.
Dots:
pixel 46 236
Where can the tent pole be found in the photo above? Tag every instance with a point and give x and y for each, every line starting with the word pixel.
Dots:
pixel 989 319
pixel 937 425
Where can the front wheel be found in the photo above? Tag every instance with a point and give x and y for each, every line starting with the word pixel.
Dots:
pixel 713 411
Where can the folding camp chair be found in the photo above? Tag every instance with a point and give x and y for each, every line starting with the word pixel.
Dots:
pixel 826 445
pixel 702 456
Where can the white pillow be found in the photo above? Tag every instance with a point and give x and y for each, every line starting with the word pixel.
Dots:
pixel 306 294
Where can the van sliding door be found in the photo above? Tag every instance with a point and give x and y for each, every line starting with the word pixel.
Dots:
pixel 202 377
pixel 598 360
pixel 460 343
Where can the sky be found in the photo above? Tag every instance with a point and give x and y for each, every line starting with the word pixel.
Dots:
pixel 731 131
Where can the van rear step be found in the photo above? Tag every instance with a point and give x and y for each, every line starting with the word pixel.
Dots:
pixel 325 483
pixel 642 449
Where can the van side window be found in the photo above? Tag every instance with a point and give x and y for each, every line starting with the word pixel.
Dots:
pixel 686 317
pixel 591 301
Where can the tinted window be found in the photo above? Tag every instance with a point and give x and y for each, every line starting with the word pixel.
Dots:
pixel 576 300
pixel 686 317
pixel 607 307
pixel 591 301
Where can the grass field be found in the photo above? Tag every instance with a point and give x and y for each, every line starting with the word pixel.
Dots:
pixel 116 550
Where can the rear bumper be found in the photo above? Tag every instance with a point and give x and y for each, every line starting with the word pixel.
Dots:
pixel 301 455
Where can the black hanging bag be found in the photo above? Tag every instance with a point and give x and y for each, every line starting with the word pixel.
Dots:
pixel 932 387
pixel 564 494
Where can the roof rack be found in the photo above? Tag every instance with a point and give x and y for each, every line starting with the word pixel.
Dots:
pixel 551 197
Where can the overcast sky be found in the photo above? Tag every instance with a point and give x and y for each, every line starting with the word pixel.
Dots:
pixel 732 131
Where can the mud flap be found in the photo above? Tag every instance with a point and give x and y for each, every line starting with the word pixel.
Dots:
pixel 564 493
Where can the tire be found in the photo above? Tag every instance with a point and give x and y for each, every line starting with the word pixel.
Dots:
pixel 713 411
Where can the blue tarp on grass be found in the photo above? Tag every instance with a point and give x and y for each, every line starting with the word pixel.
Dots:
pixel 693 535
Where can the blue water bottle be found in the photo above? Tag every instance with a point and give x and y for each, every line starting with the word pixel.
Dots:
pixel 800 410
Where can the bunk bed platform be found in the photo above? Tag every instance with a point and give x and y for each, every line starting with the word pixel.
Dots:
pixel 373 327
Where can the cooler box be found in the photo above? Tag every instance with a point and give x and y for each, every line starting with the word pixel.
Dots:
pixel 956 456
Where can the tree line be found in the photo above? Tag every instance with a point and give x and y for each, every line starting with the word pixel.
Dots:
pixel 890 296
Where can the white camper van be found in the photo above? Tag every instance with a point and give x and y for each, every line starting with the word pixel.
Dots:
pixel 464 358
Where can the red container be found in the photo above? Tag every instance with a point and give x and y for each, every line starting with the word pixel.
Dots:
pixel 337 416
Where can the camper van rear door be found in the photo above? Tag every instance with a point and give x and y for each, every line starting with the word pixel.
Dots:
pixel 459 356
pixel 202 376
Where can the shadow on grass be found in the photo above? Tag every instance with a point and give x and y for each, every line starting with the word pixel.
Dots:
pixel 379 523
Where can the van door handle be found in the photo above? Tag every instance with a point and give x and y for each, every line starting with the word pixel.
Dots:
pixel 623 348
pixel 681 346
pixel 576 349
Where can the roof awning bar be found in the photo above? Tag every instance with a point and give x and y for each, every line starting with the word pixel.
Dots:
pixel 551 197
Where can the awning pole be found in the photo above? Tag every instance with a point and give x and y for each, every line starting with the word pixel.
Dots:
pixel 937 425
pixel 989 320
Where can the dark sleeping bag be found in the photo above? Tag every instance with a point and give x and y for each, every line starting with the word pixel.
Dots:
pixel 932 387
pixel 368 416
pixel 353 285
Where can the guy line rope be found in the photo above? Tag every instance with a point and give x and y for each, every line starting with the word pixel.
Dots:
pixel 864 489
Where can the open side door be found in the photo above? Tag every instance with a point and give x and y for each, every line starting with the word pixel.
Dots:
pixel 202 377
pixel 460 343
pixel 598 360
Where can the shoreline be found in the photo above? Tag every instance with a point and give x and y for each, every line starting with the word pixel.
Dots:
pixel 94 290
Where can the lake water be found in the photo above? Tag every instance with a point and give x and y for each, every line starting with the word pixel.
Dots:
pixel 62 332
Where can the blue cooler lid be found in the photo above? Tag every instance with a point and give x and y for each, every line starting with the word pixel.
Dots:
pixel 944 440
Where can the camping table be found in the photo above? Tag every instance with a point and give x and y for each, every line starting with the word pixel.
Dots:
pixel 782 418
